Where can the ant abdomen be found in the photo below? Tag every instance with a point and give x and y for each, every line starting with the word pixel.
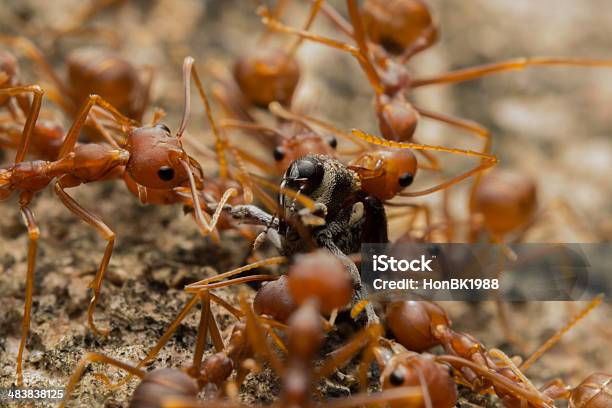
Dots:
pixel 273 299
pixel 413 322
pixel 267 76
pixel 161 384
pixel 397 24
pixel 595 391
pixel 93 71
pixel 506 200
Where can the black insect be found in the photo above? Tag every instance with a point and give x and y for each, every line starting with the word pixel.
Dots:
pixel 351 216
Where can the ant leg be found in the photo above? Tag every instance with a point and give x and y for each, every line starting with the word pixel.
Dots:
pixel 197 286
pixel 503 66
pixel 31 119
pixel 81 118
pixel 106 233
pixel 362 58
pixel 33 235
pixel 500 381
pixel 449 183
pixel 169 331
pixel 338 20
pixel 224 304
pixel 221 143
pixel 94 358
pixel 204 225
pixel 277 12
pixel 205 314
pixel 556 389
pixel 257 337
pixel 314 10
pixel 508 363
pixel 406 396
pixel 146 93
pixel 77 25
pixel 215 334
pixel 557 336
pixel 339 357
pixel 33 53
pixel 469 125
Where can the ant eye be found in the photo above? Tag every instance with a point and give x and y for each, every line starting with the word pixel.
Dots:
pixel 278 154
pixel 405 179
pixel 165 173
pixel 396 378
pixel 164 127
pixel 333 142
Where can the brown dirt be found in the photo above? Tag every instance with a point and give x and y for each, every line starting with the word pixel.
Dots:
pixel 553 123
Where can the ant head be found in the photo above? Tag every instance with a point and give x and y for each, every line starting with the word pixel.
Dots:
pixel 385 172
pixel 292 148
pixel 96 71
pixel 322 276
pixel 155 158
pixel 273 299
pixel 267 76
pixel 399 25
pixel 397 119
pixel 412 323
pixel 409 369
pixel 506 200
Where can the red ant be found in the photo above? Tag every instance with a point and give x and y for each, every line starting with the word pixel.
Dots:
pixel 385 172
pixel 420 325
pixel 305 331
pixel 404 28
pixel 149 157
pixel 93 71
pixel 168 383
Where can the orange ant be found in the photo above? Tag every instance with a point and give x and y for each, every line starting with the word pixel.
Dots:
pixel 47 135
pixel 93 71
pixel 396 31
pixel 269 74
pixel 305 333
pixel 150 157
pixel 167 383
pixel 420 325
pixel 213 369
pixel 387 170
pixel 595 391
